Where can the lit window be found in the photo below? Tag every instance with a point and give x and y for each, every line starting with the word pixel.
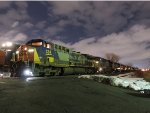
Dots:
pixel 48 46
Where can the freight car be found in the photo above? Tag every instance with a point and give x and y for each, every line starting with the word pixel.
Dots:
pixel 109 67
pixel 6 53
pixel 41 58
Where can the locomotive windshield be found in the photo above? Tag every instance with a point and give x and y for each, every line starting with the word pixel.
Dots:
pixel 39 42
pixel 36 43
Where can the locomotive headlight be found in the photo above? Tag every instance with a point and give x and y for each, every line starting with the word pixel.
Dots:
pixel 96 62
pixel 27 72
pixel 31 50
pixel 25 48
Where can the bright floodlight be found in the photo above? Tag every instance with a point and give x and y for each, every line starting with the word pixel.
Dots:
pixel 8 44
pixel 8 50
pixel 3 45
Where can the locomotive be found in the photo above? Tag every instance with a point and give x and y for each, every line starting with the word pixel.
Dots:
pixel 41 58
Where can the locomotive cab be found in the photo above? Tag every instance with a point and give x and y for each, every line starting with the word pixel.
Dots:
pixel 31 56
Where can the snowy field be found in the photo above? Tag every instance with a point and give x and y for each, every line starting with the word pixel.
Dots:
pixel 127 80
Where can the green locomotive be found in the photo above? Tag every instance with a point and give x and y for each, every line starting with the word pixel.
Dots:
pixel 41 58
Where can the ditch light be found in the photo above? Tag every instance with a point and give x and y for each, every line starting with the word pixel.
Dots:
pixel 27 72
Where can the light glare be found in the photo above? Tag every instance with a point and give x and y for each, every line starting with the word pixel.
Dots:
pixel 3 45
pixel 25 48
pixel 96 62
pixel 30 50
pixel 100 69
pixel 27 72
pixel 17 52
pixel 8 44
pixel 8 50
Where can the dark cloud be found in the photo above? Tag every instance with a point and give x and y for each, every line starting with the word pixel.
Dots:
pixel 12 21
pixel 37 11
pixel 5 4
pixel 99 16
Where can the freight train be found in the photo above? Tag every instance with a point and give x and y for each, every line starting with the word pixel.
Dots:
pixel 41 58
pixel 110 68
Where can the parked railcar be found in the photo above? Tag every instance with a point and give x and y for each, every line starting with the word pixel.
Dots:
pixel 2 57
pixel 40 58
pixel 6 54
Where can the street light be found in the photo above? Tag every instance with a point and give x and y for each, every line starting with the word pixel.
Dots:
pixel 7 44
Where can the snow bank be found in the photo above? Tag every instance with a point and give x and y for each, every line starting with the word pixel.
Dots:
pixel 5 75
pixel 122 80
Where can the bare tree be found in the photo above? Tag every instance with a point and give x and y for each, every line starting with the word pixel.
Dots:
pixel 112 57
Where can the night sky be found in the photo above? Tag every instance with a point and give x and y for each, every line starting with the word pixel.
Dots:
pixel 90 27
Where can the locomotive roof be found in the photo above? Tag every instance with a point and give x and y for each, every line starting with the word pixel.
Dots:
pixel 35 40
pixel 87 55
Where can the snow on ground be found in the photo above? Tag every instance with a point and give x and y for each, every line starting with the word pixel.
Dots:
pixel 5 74
pixel 123 80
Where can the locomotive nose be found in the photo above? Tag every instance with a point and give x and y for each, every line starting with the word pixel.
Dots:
pixel 25 53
